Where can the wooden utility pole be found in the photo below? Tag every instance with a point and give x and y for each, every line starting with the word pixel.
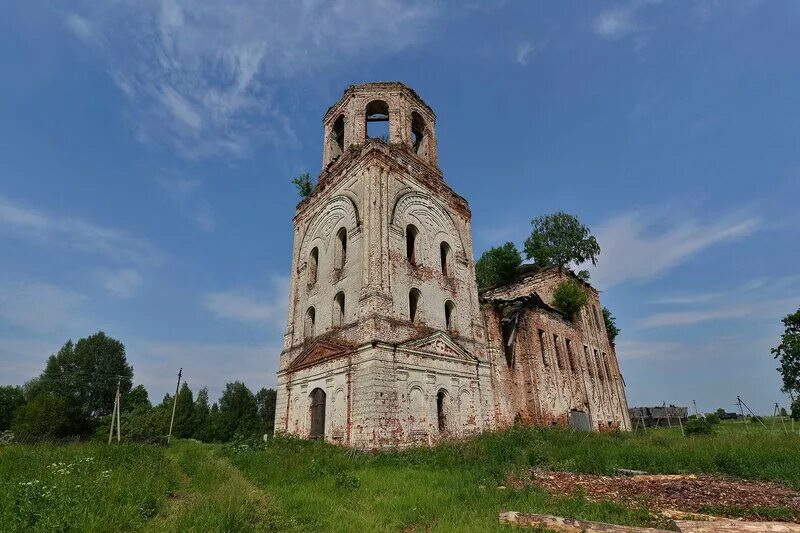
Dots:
pixel 174 403
pixel 115 415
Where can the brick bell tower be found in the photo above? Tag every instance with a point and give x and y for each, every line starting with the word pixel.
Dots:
pixel 384 342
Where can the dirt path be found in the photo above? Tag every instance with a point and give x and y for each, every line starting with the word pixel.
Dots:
pixel 214 496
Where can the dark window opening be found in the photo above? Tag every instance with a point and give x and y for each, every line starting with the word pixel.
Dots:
pixel 414 297
pixel 317 409
pixel 449 307
pixel 588 360
pixel 559 361
pixel 599 365
pixel 377 120
pixel 441 410
pixel 509 331
pixel 337 137
pixel 605 363
pixel 341 256
pixel 308 329
pixel 338 310
pixel 573 364
pixel 411 243
pixel 444 253
pixel 418 132
pixel 313 265
pixel 542 343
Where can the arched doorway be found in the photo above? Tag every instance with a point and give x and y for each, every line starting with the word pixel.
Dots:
pixel 317 414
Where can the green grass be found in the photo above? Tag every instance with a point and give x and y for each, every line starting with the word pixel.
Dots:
pixel 87 487
pixel 294 485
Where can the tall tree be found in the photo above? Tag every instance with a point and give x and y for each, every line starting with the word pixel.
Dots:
pixel 560 239
pixel 201 413
pixel 85 376
pixel 46 414
pixel 238 410
pixel 184 412
pixel 137 399
pixel 11 398
pixel 265 402
pixel 788 354
pixel 497 266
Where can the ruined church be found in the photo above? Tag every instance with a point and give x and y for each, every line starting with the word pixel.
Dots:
pixel 388 341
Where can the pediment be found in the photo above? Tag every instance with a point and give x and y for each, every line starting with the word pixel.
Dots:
pixel 317 352
pixel 439 343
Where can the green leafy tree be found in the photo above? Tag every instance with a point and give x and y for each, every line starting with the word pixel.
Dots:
pixel 498 266
pixel 237 407
pixel 214 428
pixel 570 297
pixel 611 325
pixel 788 354
pixel 303 184
pixel 721 413
pixel 44 415
pixel 783 412
pixel 265 402
pixel 795 409
pixel 11 398
pixel 85 376
pixel 137 399
pixel 201 413
pixel 560 239
pixel 184 413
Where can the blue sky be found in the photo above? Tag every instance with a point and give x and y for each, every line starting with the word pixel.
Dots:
pixel 147 147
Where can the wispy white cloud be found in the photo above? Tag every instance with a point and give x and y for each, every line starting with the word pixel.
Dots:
pixel 122 282
pixel 202 75
pixel 249 309
pixel 186 195
pixel 639 247
pixel 75 234
pixel 725 311
pixel 210 364
pixel 39 307
pixel 616 23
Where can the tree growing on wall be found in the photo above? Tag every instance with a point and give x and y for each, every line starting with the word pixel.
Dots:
pixel 559 240
pixel 303 184
pixel 570 297
pixel 788 355
pixel 611 325
pixel 497 266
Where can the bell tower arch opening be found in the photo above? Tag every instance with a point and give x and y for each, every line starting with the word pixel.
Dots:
pixel 377 120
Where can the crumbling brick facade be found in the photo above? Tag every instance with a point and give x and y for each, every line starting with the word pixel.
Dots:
pixel 387 341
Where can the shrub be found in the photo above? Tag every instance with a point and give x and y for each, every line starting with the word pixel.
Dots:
pixel 570 297
pixel 698 426
pixel 711 418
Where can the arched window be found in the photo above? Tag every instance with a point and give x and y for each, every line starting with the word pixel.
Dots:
pixel 449 308
pixel 442 409
pixel 317 412
pixel 308 327
pixel 414 297
pixel 444 254
pixel 313 265
pixel 337 137
pixel 411 243
pixel 377 120
pixel 341 248
pixel 338 310
pixel 418 132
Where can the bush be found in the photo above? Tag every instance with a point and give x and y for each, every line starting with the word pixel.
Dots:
pixel 43 415
pixel 698 426
pixel 711 418
pixel 570 297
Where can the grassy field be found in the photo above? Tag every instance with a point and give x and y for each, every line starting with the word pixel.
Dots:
pixel 293 485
